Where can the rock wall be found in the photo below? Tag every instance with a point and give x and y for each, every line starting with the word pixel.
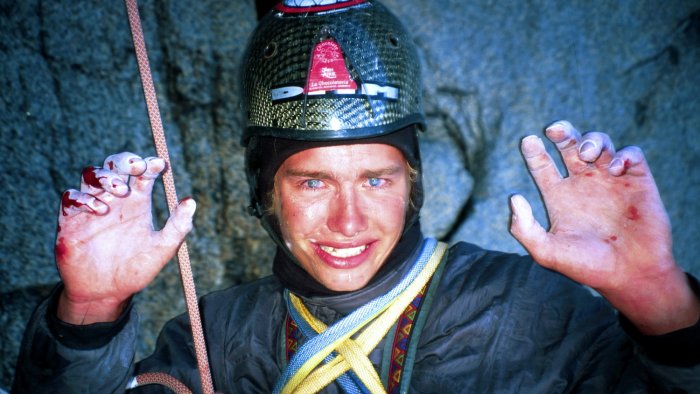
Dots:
pixel 493 73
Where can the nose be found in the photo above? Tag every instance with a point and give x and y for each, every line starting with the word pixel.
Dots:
pixel 346 214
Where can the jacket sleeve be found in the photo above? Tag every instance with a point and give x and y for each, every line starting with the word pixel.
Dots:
pixel 672 360
pixel 56 357
pixel 502 323
pixel 618 358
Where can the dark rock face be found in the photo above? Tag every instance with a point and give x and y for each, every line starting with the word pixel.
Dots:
pixel 70 95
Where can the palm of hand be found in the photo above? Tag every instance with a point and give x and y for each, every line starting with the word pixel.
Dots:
pixel 106 247
pixel 111 256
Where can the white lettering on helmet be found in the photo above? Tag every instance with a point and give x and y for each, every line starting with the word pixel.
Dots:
pixel 368 89
pixel 310 3
pixel 286 92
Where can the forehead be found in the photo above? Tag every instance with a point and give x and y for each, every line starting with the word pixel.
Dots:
pixel 345 157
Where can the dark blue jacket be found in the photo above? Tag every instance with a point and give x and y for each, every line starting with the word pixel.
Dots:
pixel 498 323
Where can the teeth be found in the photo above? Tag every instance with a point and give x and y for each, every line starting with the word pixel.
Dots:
pixel 343 253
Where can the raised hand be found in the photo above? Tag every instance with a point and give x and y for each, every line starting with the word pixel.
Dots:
pixel 106 246
pixel 608 227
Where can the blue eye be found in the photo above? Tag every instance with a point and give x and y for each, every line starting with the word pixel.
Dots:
pixel 375 182
pixel 313 183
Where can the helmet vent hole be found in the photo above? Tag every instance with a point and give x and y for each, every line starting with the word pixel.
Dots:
pixel 394 40
pixel 270 50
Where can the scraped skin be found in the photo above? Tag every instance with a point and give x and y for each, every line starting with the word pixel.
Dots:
pixel 106 247
pixel 342 209
pixel 608 228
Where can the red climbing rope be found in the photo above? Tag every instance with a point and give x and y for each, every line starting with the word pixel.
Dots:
pixel 162 379
pixel 171 196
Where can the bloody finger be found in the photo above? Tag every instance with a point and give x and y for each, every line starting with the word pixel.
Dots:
pixel 125 163
pixel 74 202
pixel 154 167
pixel 96 180
pixel 628 159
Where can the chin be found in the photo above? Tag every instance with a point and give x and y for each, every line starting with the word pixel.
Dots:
pixel 344 283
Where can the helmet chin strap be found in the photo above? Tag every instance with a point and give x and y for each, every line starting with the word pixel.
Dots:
pixel 171 196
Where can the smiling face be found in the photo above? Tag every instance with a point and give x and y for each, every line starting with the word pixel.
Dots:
pixel 341 210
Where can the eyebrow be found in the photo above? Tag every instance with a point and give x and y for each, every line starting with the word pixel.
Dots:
pixel 383 172
pixel 312 174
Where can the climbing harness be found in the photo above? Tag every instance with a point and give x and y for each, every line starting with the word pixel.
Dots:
pixel 171 196
pixel 400 352
pixel 335 344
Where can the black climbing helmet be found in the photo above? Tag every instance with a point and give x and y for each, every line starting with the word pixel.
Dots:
pixel 328 72
pixel 323 70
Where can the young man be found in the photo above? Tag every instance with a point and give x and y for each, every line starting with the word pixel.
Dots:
pixel 360 301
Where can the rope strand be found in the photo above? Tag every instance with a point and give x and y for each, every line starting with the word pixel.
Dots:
pixel 162 379
pixel 170 194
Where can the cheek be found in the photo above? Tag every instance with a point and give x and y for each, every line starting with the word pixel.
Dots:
pixel 300 218
pixel 388 211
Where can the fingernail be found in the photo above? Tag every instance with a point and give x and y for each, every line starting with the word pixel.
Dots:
pixel 157 162
pixel 587 147
pixel 98 207
pixel 188 203
pixel 517 202
pixel 521 210
pixel 587 150
pixel 531 146
pixel 559 125
pixel 616 166
pixel 561 133
pixel 119 187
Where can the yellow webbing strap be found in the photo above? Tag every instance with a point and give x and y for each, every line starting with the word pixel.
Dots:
pixel 353 353
pixel 348 349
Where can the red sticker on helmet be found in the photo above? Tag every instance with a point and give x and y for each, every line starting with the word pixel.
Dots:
pixel 305 6
pixel 328 71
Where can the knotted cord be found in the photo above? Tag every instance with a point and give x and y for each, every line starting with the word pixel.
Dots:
pixel 171 197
